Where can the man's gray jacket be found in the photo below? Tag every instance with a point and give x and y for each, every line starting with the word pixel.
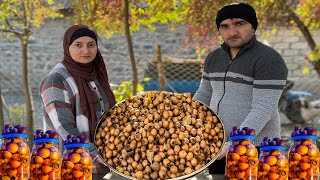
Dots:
pixel 245 91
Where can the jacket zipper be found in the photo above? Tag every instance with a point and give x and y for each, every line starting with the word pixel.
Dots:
pixel 224 87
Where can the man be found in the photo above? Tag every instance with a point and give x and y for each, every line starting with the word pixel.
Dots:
pixel 243 79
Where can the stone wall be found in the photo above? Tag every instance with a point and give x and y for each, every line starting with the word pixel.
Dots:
pixel 45 51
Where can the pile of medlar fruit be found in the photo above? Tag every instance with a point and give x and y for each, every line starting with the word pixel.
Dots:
pixel 159 135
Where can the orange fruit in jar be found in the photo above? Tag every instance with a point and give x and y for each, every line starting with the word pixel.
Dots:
pixel 273 176
pixel 16 140
pixel 282 160
pixel 77 174
pixel 85 160
pixel 296 157
pixel 284 172
pixel 43 177
pixel 37 171
pixel 32 166
pixel 77 167
pixel 46 162
pixel 46 169
pixel 23 150
pixel 244 142
pixel 275 152
pixel 251 152
pixel 38 160
pixel 302 149
pixel 240 149
pixel 12 172
pixel 25 161
pixel 47 145
pixel 79 150
pixel 312 172
pixel 6 178
pixel 12 147
pixel 243 159
pixel 229 163
pixel 243 166
pixel 265 167
pixel 304 166
pixel 302 174
pixel 7 155
pixel 53 175
pixel 20 170
pixel 69 165
pixel 250 172
pixel 67 176
pixel 86 171
pixel 240 174
pixel 15 164
pixel 56 165
pixel 235 157
pixel 44 153
pixel 313 150
pixel 306 142
pixel 54 155
pixel 74 157
pixel 305 159
pixel 271 160
pixel 274 169
pixel 82 178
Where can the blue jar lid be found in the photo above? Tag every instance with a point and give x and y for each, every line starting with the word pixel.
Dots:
pixel 11 135
pixel 46 140
pixel 238 137
pixel 304 137
pixel 73 145
pixel 266 148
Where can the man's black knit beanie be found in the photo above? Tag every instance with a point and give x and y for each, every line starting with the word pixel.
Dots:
pixel 237 10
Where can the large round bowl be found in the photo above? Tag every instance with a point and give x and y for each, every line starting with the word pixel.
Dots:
pixel 159 135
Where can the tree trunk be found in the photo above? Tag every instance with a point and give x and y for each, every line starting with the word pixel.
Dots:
pixel 1 112
pixel 130 47
pixel 26 87
pixel 307 35
pixel 160 69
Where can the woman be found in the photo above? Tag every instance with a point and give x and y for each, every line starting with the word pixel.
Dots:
pixel 77 92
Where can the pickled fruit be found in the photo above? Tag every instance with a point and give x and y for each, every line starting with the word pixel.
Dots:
pixel 76 162
pixel 242 157
pixel 45 156
pixel 273 163
pixel 304 157
pixel 14 153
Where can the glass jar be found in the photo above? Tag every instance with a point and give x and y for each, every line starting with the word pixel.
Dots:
pixel 273 163
pixel 45 159
pixel 242 158
pixel 304 158
pixel 76 162
pixel 16 156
